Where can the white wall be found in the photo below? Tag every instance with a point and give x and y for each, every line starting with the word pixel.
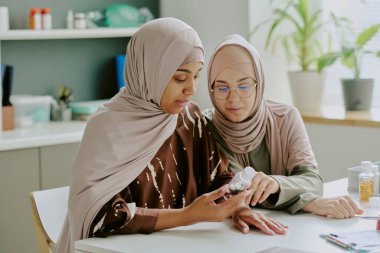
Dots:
pixel 213 20
pixel 336 147
pixel 275 66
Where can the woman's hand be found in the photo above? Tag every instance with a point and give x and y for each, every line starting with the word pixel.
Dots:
pixel 246 217
pixel 204 208
pixel 342 207
pixel 261 187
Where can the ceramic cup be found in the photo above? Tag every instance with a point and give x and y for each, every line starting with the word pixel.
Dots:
pixel 4 19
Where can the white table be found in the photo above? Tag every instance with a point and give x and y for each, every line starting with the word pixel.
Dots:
pixel 303 234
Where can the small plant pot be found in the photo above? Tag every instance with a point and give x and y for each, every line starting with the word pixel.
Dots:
pixel 357 94
pixel 307 90
pixel 61 112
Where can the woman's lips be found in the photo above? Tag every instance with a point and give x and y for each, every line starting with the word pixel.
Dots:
pixel 233 110
pixel 182 103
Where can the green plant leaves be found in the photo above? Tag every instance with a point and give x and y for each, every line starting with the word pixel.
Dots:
pixel 327 60
pixel 367 35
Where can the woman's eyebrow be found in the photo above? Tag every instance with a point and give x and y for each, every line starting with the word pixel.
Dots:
pixel 184 70
pixel 240 80
pixel 243 79
pixel 188 71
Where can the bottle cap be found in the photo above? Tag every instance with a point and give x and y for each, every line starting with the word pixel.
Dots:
pixel 366 165
pixel 46 10
pixel 248 173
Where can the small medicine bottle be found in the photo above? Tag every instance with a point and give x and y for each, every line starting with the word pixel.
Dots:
pixel 46 19
pixel 70 19
pixel 80 20
pixel 241 180
pixel 366 181
pixel 35 19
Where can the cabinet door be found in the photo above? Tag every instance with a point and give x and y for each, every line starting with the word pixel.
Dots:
pixel 19 175
pixel 56 163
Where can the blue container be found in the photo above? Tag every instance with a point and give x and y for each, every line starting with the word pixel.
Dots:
pixel 120 60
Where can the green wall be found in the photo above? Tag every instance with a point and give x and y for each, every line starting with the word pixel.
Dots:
pixel 86 65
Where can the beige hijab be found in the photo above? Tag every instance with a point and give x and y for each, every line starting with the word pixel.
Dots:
pixel 124 135
pixel 267 119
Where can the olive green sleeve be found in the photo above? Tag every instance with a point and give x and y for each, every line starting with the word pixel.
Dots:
pixel 297 190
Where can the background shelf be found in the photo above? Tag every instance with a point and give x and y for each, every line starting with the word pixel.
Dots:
pixel 67 34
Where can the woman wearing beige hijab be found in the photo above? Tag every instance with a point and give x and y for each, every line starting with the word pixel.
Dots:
pixel 145 158
pixel 266 135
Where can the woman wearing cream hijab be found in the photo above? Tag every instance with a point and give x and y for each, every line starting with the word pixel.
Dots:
pixel 266 135
pixel 136 171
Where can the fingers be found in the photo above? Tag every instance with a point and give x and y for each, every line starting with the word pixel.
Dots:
pixel 269 190
pixel 357 210
pixel 256 221
pixel 240 224
pixel 265 224
pixel 342 207
pixel 214 195
pixel 262 186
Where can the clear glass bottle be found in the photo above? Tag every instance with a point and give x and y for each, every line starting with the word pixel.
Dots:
pixel 366 181
pixel 241 180
pixel 376 183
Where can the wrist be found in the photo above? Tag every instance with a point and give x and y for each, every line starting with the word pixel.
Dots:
pixel 187 216
pixel 311 206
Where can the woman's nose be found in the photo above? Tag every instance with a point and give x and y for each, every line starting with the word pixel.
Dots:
pixel 191 88
pixel 233 96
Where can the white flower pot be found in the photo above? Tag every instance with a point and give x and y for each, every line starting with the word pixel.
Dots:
pixel 307 90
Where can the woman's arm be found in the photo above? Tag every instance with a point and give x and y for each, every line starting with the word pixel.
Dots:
pixel 204 208
pixel 289 193
pixel 115 217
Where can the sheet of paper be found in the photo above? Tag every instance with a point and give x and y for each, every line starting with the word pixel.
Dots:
pixel 282 250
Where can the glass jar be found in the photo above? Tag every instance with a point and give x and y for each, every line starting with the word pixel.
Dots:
pixel 366 182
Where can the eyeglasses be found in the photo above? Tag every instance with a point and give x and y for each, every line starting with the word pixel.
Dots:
pixel 243 90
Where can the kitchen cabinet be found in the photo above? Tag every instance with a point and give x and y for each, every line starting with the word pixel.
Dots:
pixel 19 175
pixel 23 171
pixel 56 162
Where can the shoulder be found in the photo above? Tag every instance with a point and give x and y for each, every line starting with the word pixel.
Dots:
pixel 281 110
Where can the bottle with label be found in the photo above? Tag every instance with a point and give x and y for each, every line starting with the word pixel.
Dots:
pixel 70 19
pixel 376 180
pixel 366 181
pixel 80 20
pixel 46 19
pixel 241 180
pixel 35 19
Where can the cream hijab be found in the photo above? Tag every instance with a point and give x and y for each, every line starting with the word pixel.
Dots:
pixel 267 119
pixel 124 135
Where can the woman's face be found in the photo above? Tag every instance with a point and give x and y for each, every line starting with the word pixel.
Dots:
pixel 180 88
pixel 234 94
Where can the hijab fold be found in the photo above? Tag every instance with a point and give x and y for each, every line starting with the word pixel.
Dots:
pixel 124 135
pixel 273 121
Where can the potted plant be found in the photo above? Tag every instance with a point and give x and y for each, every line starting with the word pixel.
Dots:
pixel 357 91
pixel 61 110
pixel 301 44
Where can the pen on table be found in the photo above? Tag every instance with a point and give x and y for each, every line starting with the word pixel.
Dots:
pixel 368 217
pixel 334 239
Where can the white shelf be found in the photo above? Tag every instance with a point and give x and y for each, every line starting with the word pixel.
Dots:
pixel 67 34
